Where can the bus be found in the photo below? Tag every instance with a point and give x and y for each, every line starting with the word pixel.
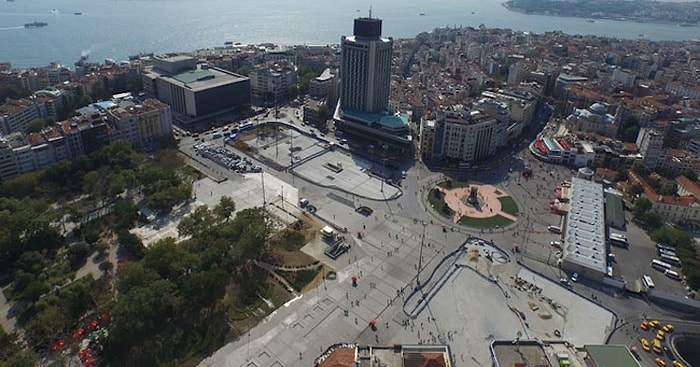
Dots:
pixel 673 260
pixel 617 239
pixel 673 275
pixel 660 265
pixel 647 281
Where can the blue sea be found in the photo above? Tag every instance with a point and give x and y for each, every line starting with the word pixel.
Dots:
pixel 115 29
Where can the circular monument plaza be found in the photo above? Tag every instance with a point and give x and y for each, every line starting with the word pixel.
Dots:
pixel 473 204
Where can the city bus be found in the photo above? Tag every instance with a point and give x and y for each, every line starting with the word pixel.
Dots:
pixel 660 265
pixel 647 281
pixel 617 239
pixel 673 260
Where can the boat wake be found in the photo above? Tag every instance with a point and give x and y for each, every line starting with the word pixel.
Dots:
pixel 8 28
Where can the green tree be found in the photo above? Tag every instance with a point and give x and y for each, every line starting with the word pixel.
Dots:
pixel 196 223
pixel 225 208
pixel 33 291
pixel 641 206
pixel 639 168
pixel 78 254
pixel 36 125
pixel 621 175
pixel 636 190
pixel 243 70
pixel 629 128
pixel 131 243
pixel 169 260
pixel 22 357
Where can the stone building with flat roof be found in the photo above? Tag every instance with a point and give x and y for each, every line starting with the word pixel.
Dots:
pixel 583 242
pixel 195 90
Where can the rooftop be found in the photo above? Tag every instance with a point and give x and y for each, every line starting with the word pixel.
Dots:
pixel 204 77
pixel 584 238
pixel 350 355
pixel 611 356
pixel 523 352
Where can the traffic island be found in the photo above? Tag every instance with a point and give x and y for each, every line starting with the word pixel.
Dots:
pixel 474 205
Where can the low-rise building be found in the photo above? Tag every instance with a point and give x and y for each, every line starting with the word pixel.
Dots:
pixel 594 119
pixel 352 355
pixel 681 208
pixel 195 92
pixel 559 353
pixel 583 238
pixel 271 81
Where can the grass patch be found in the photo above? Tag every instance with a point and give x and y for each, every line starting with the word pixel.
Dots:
pixel 437 202
pixel 508 205
pixel 453 184
pixel 490 222
pixel 299 279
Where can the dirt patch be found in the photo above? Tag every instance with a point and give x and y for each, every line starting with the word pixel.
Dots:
pixel 291 258
pixel 318 280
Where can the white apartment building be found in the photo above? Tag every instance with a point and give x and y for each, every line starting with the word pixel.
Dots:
pixel 465 134
pixel 272 81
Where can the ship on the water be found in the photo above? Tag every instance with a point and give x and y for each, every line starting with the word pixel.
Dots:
pixel 35 24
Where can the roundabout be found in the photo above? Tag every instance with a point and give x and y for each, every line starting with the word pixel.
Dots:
pixel 474 205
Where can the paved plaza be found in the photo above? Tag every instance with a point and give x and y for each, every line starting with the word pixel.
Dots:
pixel 488 203
pixel 467 302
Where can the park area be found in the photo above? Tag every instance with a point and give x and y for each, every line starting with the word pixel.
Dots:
pixel 474 205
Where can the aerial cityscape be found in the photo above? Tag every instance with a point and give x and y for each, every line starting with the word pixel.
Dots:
pixel 469 196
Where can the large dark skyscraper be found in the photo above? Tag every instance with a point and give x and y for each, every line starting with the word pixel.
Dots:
pixel 365 71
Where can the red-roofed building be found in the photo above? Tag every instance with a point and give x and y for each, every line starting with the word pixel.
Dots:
pixel 351 355
pixel 674 209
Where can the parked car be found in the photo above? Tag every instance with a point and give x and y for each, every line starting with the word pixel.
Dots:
pixel 574 277
pixel 644 325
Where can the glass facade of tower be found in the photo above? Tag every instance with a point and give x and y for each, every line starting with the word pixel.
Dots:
pixel 366 68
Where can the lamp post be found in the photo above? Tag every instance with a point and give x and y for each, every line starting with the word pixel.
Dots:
pixel 384 150
pixel 420 255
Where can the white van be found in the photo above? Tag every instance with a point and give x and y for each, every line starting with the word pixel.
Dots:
pixel 554 229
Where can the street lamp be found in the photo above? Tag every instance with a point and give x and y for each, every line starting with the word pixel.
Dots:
pixel 420 255
pixel 384 149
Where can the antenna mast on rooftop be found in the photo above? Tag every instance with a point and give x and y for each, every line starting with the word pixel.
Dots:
pixel 370 12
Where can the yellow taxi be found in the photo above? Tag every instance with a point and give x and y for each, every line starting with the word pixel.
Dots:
pixel 675 363
pixel 644 325
pixel 654 323
pixel 660 362
pixel 660 335
pixel 645 345
pixel 668 328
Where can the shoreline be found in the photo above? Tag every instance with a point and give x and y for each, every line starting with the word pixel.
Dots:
pixel 506 5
